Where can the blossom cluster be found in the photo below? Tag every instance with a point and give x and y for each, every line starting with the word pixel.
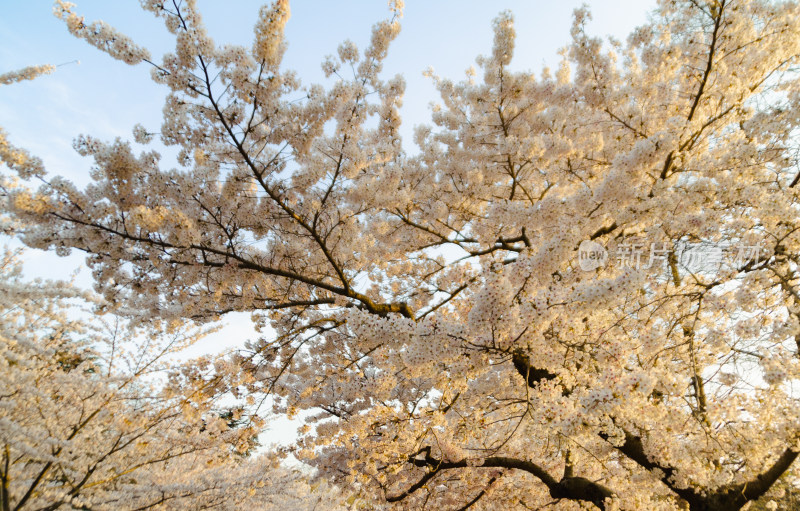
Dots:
pixel 424 313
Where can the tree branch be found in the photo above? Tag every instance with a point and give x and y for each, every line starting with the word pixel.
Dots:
pixel 571 488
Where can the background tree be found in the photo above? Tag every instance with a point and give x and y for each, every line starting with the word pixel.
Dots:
pixel 432 308
pixel 85 422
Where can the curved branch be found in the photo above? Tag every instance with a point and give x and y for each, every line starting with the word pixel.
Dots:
pixel 571 488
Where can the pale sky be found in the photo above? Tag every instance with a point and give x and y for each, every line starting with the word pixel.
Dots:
pixel 105 98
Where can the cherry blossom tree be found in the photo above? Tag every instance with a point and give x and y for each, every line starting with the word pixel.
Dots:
pixel 84 423
pixel 448 321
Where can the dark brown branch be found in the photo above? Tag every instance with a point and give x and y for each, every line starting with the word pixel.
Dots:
pixel 478 496
pixel 758 486
pixel 633 449
pixel 709 62
pixel 532 375
pixel 731 497
pixel 603 231
pixel 572 488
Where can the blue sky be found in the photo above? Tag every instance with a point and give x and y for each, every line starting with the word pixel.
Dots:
pixel 105 98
